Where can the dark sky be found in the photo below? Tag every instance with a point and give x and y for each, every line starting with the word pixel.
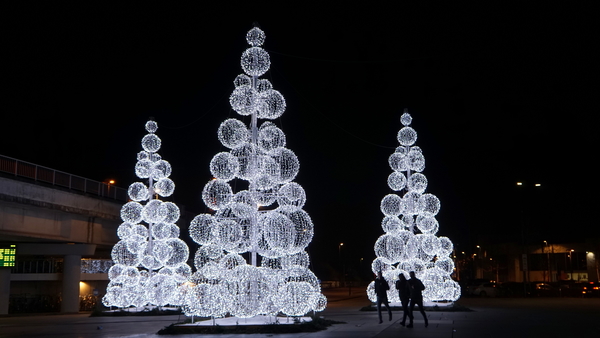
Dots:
pixel 497 95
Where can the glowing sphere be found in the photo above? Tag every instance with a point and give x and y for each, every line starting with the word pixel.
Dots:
pixel 154 211
pixel 389 248
pixel 224 166
pixel 164 187
pixel 429 205
pixel 161 169
pixel 244 100
pixel 232 133
pixel 242 80
pixel 291 194
pixel 270 105
pixel 417 182
pixel 255 61
pixel 398 161
pixel 217 194
pixel 201 229
pixel 391 224
pixel 124 230
pixel 298 298
pixel 391 205
pixel 263 85
pixel 287 162
pixel 427 224
pixel 270 137
pixel 407 136
pixel 255 37
pixel 416 160
pixel 396 181
pixel 138 192
pixel 143 168
pixel 131 212
pixel 151 143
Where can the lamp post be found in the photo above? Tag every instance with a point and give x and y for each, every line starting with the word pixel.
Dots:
pixel 571 262
pixel 548 259
pixel 341 262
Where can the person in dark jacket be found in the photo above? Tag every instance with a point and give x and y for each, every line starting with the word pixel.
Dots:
pixel 381 288
pixel 416 297
pixel 404 293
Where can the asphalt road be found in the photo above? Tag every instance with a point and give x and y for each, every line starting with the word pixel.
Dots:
pixel 491 317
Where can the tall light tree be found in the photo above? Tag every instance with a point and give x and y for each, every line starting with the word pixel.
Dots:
pixel 149 260
pixel 252 259
pixel 410 242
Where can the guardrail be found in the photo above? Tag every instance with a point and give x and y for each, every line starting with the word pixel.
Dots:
pixel 58 178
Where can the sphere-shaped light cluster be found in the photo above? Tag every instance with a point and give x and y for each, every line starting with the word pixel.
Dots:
pixel 266 220
pixel 410 242
pixel 149 259
pixel 252 95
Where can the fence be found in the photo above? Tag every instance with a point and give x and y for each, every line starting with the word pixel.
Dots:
pixel 61 179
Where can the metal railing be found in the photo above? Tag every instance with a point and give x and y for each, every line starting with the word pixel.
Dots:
pixel 58 178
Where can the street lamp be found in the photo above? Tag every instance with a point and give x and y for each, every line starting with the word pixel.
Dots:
pixel 341 263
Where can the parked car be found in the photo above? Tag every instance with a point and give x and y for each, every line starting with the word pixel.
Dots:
pixel 590 289
pixel 471 285
pixel 489 289
pixel 542 289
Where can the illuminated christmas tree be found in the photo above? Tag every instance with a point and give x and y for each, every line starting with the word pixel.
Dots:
pixel 149 259
pixel 252 259
pixel 410 242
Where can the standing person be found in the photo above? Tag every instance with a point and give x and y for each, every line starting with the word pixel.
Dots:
pixel 416 297
pixel 381 287
pixel 404 293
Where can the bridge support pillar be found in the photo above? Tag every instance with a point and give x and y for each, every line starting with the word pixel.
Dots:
pixel 70 285
pixel 4 290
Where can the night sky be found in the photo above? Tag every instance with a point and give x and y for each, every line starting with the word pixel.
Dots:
pixel 497 95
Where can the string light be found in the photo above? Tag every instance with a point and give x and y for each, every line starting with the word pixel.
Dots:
pixel 264 222
pixel 149 260
pixel 410 242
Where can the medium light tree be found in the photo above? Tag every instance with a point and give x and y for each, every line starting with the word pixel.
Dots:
pixel 410 242
pixel 149 259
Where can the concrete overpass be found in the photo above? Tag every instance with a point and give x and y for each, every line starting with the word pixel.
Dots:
pixel 49 219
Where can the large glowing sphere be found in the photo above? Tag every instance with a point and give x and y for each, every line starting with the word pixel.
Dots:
pixel 164 187
pixel 138 192
pixel 151 143
pixel 271 104
pixel 217 194
pixel 417 182
pixel 429 205
pixel 232 133
pixel 131 212
pixel 291 194
pixel 224 166
pixel 391 205
pixel 407 136
pixel 396 181
pixel 255 61
pixel 270 137
pixel 244 100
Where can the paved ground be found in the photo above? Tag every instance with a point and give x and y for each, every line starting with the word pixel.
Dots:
pixel 492 317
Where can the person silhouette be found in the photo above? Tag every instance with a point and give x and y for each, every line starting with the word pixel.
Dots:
pixel 416 297
pixel 404 293
pixel 381 287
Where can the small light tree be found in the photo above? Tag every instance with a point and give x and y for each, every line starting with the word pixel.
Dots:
pixel 410 242
pixel 149 259
pixel 252 259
